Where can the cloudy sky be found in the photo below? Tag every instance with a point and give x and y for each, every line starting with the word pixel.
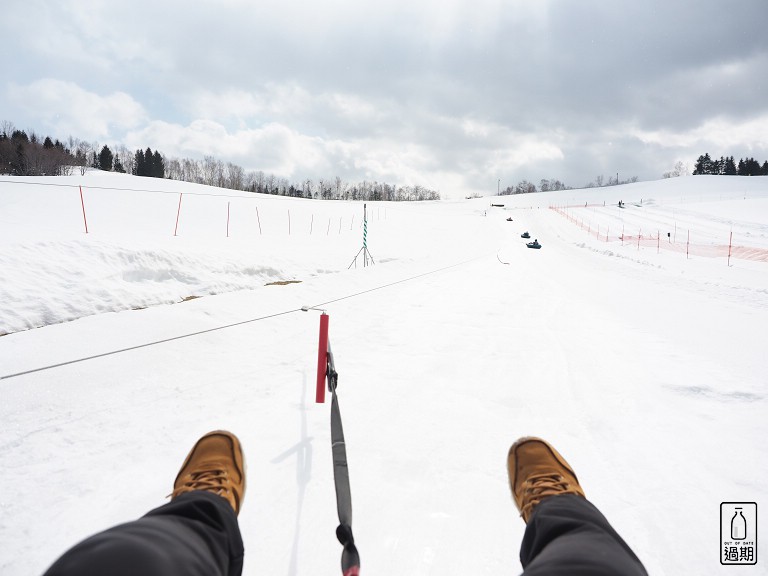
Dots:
pixel 453 95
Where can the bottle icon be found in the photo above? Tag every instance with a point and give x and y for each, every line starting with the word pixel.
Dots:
pixel 738 525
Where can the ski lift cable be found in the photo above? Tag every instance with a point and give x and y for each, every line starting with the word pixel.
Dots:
pixel 145 345
pixel 232 325
pixel 319 306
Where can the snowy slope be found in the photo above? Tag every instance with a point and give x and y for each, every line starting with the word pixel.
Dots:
pixel 644 367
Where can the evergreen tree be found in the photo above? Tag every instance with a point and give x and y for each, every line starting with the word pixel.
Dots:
pixel 751 167
pixel 764 169
pixel 730 167
pixel 48 143
pixel 703 165
pixel 148 162
pixel 158 165
pixel 105 158
pixel 718 166
pixel 118 166
pixel 138 164
pixel 19 136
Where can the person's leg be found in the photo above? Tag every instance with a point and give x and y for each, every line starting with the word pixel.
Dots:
pixel 568 535
pixel 195 534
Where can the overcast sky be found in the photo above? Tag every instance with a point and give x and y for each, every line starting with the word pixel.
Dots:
pixel 453 95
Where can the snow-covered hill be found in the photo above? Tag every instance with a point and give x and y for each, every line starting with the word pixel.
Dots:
pixel 644 366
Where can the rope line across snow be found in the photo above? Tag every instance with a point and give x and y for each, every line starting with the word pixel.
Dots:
pixel 145 345
pixel 208 330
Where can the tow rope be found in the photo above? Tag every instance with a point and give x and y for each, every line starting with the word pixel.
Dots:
pixel 326 372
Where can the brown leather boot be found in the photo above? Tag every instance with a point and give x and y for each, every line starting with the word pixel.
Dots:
pixel 537 471
pixel 215 464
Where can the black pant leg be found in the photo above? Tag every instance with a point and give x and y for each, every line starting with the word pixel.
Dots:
pixel 567 535
pixel 196 534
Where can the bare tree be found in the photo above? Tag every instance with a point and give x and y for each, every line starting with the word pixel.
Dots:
pixel 235 176
pixel 680 169
pixel 208 170
pixel 525 187
pixel 269 185
pixel 260 181
pixel 36 161
pixel 173 169
pixel 249 182
pixel 82 156
pixel 599 181
pixel 124 158
pixel 6 128
pixel 220 178
pixel 191 171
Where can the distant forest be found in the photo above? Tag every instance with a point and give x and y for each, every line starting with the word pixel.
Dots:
pixel 525 187
pixel 728 167
pixel 23 154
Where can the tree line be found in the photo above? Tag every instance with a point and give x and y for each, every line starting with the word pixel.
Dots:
pixel 525 187
pixel 727 166
pixel 23 154
pixel 214 172
pixel 26 155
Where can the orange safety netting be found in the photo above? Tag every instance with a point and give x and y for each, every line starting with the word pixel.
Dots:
pixel 667 243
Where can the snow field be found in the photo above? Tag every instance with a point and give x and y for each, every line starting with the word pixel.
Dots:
pixel 645 370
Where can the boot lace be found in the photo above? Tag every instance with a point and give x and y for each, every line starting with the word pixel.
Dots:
pixel 213 480
pixel 539 486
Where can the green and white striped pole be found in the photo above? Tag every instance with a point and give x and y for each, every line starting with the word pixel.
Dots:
pixel 365 236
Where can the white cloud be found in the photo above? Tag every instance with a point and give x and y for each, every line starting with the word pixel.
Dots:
pixel 274 101
pixel 85 35
pixel 68 109
pixel 331 114
pixel 273 148
pixel 450 153
pixel 718 133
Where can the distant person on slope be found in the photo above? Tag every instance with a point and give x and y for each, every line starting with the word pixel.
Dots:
pixel 197 532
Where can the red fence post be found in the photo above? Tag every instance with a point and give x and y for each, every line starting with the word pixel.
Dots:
pixel 730 243
pixel 82 203
pixel 322 359
pixel 178 211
